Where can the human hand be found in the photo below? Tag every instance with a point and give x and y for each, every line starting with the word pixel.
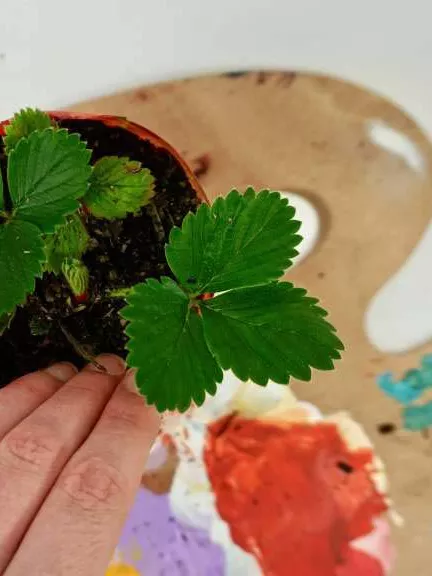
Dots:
pixel 72 451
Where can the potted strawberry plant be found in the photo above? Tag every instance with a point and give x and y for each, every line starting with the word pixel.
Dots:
pixel 107 244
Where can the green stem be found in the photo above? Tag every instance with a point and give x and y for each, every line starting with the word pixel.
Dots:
pixel 157 222
pixel 81 350
pixel 5 321
pixel 120 293
pixel 4 217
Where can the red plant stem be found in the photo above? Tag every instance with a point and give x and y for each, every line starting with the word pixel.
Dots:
pixel 81 298
pixel 205 296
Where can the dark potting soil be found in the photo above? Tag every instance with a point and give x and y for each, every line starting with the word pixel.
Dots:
pixel 52 326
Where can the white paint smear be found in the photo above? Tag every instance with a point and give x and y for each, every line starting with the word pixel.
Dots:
pixel 395 142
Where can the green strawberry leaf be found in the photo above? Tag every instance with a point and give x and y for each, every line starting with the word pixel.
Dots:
pixel 118 187
pixel 269 332
pixel 21 259
pixel 241 240
pixel 23 124
pixel 47 173
pixel 167 346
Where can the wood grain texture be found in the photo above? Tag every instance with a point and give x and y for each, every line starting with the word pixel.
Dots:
pixel 309 134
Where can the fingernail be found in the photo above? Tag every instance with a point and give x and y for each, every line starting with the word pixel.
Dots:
pixel 112 364
pixel 129 381
pixel 63 371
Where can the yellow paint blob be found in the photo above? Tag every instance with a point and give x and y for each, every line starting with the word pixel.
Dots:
pixel 121 570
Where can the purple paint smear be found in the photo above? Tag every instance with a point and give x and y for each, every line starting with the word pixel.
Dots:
pixel 168 547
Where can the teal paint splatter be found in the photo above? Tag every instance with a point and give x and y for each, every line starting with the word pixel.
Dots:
pixel 407 390
pixel 417 417
pixel 404 391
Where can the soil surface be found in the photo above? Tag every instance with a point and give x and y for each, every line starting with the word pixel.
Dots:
pixel 52 326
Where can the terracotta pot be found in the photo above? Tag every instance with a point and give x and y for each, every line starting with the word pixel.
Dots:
pixel 148 143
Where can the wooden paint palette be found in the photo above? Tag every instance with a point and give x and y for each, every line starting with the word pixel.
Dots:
pixel 310 135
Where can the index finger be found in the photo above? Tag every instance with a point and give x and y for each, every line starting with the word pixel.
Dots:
pixel 78 526
pixel 22 396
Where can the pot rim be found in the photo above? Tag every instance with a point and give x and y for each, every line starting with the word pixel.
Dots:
pixel 141 131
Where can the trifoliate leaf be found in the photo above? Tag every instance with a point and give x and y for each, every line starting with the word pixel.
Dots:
pixel 239 241
pixel 269 332
pixel 47 173
pixel 167 345
pixel 21 258
pixel 70 240
pixel 23 124
pixel 77 275
pixel 118 187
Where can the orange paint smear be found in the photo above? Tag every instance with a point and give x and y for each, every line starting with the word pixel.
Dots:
pixel 294 495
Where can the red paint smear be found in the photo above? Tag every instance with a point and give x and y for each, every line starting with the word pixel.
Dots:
pixel 358 563
pixel 286 494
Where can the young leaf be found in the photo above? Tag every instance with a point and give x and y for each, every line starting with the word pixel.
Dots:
pixel 77 275
pixel 167 345
pixel 23 124
pixel 118 187
pixel 47 173
pixel 21 258
pixel 242 240
pixel 269 332
pixel 70 240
